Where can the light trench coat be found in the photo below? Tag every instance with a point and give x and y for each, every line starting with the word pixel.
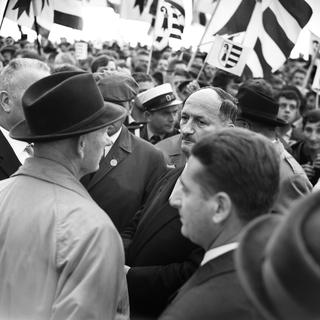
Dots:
pixel 60 255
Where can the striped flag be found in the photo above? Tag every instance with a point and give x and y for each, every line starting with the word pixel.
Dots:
pixel 137 10
pixel 47 12
pixel 202 10
pixel 169 23
pixel 271 28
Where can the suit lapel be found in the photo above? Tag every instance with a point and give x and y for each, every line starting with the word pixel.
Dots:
pixel 213 268
pixel 159 213
pixel 9 163
pixel 119 151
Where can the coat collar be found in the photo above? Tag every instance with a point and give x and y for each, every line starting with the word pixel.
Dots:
pixel 53 172
pixel 118 152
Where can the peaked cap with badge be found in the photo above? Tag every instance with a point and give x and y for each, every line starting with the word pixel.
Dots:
pixel 158 98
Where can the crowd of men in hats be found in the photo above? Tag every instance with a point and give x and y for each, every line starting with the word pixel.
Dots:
pixel 134 195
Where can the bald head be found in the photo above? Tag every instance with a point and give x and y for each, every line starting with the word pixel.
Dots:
pixel 205 110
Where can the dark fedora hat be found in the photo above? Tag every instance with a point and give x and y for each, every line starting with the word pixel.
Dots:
pixel 257 106
pixel 278 262
pixel 63 105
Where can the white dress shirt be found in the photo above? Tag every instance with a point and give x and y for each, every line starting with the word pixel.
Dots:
pixel 113 139
pixel 218 251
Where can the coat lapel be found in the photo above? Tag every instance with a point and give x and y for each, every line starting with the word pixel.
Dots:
pixel 211 269
pixel 9 162
pixel 159 213
pixel 119 151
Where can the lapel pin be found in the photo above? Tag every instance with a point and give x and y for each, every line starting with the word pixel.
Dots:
pixel 113 162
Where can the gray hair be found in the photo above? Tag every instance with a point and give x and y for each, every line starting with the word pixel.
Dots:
pixel 9 72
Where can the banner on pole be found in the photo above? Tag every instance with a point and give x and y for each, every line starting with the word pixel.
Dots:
pixel 228 55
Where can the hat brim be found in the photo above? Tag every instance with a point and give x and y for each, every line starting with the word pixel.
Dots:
pixel 173 103
pixel 107 115
pixel 274 122
pixel 249 259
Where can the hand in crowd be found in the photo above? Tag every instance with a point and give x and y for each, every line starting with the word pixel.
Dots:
pixel 309 169
pixel 316 163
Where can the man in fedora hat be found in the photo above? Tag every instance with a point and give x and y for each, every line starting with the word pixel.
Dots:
pixel 159 258
pixel 259 113
pixel 130 167
pixel 161 111
pixel 278 263
pixel 219 193
pixel 61 257
pixel 15 78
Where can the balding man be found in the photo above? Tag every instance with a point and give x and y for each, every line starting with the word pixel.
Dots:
pixel 159 258
pixel 15 78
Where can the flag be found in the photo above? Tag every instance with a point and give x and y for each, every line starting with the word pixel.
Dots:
pixel 228 55
pixel 47 12
pixel 314 44
pixel 271 28
pixel 169 23
pixel 202 10
pixel 3 6
pixel 316 80
pixel 137 10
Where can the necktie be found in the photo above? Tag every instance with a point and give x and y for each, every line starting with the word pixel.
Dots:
pixel 155 139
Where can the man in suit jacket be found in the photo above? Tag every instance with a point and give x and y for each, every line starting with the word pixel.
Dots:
pixel 15 78
pixel 130 168
pixel 219 192
pixel 159 258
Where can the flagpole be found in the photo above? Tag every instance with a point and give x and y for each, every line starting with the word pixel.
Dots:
pixel 203 35
pixel 317 99
pixel 153 37
pixel 36 27
pixel 4 13
pixel 307 77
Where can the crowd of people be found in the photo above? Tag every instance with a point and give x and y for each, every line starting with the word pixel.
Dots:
pixel 140 185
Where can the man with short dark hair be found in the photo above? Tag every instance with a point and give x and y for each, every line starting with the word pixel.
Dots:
pixel 221 191
pixel 159 258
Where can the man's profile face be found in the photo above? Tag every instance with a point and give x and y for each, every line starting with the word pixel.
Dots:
pixel 163 121
pixel 311 132
pixel 288 109
pixel 200 114
pixel 195 209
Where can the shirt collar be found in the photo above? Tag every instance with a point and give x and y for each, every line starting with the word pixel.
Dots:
pixel 218 251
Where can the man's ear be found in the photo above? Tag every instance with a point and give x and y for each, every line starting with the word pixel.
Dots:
pixel 5 101
pixel 81 144
pixel 222 206
pixel 147 115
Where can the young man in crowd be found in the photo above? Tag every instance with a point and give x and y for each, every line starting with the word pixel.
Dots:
pixel 289 106
pixel 161 111
pixel 219 192
pixel 307 151
pixel 159 258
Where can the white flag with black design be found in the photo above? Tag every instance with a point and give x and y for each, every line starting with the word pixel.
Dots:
pixel 170 21
pixel 228 55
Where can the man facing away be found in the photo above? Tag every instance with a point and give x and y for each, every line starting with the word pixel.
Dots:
pixel 60 255
pixel 219 192
pixel 15 78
